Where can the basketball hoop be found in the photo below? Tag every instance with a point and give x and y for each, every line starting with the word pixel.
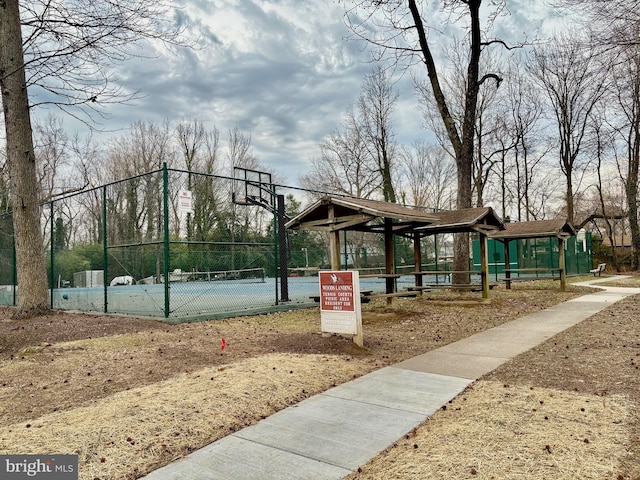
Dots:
pixel 252 187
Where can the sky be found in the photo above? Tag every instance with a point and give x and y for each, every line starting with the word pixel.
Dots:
pixel 284 71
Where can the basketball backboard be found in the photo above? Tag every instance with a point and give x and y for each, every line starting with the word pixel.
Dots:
pixel 251 187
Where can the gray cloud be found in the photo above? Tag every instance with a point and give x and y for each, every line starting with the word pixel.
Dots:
pixel 282 70
pixel 279 70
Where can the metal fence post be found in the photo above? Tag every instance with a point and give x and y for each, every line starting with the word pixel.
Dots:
pixel 104 248
pixel 14 273
pixel 276 255
pixel 165 201
pixel 282 249
pixel 52 247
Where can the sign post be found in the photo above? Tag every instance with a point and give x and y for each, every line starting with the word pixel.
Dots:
pixel 340 310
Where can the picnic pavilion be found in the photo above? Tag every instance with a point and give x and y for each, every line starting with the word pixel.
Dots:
pixel 559 228
pixel 334 214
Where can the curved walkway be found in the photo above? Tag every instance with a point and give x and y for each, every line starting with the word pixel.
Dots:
pixel 328 436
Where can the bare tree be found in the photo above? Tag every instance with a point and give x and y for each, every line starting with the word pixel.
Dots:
pixel 602 145
pixel 32 275
pixel 54 152
pixel 528 181
pixel 375 107
pixel 403 32
pixel 613 23
pixel 190 136
pixel 626 89
pixel 574 82
pixel 429 173
pixel 69 48
pixel 239 150
pixel 206 189
pixel 613 26
pixel 347 166
pixel 136 207
pixel 201 154
pixel 492 146
pixel 344 165
pixel 53 156
pixel 361 157
pixel 489 142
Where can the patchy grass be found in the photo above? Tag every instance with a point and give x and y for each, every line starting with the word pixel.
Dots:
pixel 131 395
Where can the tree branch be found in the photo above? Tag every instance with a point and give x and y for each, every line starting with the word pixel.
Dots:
pixel 487 76
pixel 503 43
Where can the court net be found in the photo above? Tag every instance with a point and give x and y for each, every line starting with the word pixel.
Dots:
pixel 246 275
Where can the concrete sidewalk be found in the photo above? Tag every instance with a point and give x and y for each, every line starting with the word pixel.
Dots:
pixel 328 436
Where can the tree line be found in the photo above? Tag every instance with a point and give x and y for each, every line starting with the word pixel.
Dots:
pixel 539 129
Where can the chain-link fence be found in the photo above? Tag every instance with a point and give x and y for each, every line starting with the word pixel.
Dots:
pixel 174 244
pixel 166 243
pixel 538 257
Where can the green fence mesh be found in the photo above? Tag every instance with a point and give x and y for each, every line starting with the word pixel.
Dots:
pixel 173 244
pixel 539 254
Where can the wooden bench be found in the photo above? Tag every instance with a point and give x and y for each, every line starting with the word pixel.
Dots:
pixel 529 279
pixel 445 273
pixel 381 275
pixel 532 270
pixel 597 271
pixel 549 274
pixel 474 287
pixel 391 295
pixel 420 288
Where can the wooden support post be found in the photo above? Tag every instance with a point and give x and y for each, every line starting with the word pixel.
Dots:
pixel 389 258
pixel 417 261
pixel 507 264
pixel 334 243
pixel 561 265
pixel 484 265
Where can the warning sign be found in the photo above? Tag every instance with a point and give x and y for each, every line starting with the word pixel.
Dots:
pixel 185 201
pixel 340 303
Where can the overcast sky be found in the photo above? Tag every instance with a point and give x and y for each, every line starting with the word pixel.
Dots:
pixel 284 71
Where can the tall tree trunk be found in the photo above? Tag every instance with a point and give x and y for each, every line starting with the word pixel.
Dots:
pixel 461 240
pixel 464 159
pixel 33 298
pixel 463 145
pixel 569 194
pixel 387 182
pixel 599 186
pixel 632 195
pixel 631 190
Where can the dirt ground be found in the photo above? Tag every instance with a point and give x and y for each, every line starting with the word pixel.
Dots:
pixel 129 395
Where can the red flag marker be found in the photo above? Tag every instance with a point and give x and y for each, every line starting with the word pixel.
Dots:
pixel 223 344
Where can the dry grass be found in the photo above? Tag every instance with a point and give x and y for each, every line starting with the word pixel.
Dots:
pixel 631 281
pixel 132 432
pixel 130 402
pixel 567 409
pixel 494 430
